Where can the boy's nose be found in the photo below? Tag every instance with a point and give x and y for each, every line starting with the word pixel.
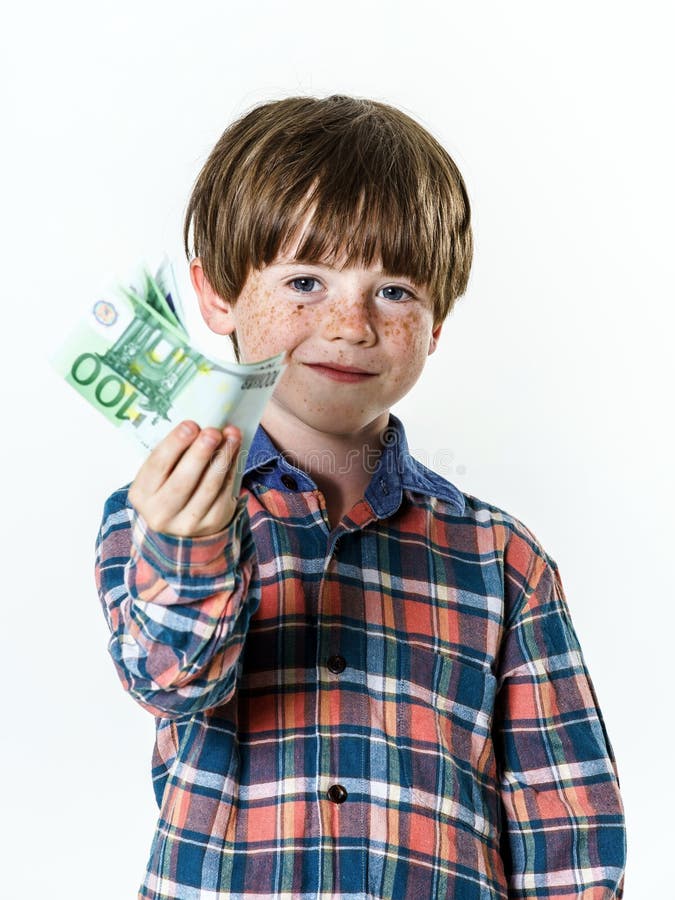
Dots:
pixel 351 320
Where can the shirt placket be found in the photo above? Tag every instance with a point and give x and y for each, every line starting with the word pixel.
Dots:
pixel 342 717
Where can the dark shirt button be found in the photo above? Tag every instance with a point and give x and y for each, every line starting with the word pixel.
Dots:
pixel 337 793
pixel 289 482
pixel 336 664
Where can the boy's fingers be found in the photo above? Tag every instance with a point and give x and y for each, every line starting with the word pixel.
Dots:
pixel 183 475
pixel 222 508
pixel 231 431
pixel 178 488
pixel 162 459
pixel 212 497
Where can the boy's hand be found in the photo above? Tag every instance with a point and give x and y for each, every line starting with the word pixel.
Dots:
pixel 183 487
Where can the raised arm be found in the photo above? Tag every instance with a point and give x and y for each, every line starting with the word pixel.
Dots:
pixel 564 832
pixel 178 606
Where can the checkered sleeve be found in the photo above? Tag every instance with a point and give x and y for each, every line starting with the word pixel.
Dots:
pixel 178 608
pixel 563 829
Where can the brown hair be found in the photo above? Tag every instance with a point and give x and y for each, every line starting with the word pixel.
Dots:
pixel 382 187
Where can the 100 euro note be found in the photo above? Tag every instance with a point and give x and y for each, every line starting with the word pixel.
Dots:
pixel 130 357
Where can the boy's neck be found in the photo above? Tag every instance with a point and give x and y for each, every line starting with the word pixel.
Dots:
pixel 341 465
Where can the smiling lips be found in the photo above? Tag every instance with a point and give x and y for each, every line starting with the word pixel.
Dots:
pixel 337 372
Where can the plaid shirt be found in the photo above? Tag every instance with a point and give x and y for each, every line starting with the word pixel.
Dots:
pixel 397 707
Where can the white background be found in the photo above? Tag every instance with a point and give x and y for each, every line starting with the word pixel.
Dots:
pixel 550 394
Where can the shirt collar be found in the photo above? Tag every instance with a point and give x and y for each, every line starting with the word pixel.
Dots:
pixel 395 471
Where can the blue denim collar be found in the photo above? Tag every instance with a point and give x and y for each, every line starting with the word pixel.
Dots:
pixel 394 471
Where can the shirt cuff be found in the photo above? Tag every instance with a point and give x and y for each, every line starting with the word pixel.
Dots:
pixel 210 556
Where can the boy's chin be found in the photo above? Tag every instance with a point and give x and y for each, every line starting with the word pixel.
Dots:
pixel 340 421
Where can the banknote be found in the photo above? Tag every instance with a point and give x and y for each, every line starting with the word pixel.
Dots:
pixel 131 357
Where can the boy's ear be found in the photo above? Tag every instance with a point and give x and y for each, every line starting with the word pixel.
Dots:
pixel 216 312
pixel 435 335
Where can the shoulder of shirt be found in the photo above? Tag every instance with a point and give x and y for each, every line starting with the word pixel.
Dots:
pixel 470 509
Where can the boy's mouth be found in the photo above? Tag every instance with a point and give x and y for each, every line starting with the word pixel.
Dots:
pixel 340 373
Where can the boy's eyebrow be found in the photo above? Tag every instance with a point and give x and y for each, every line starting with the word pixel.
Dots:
pixel 301 260
pixel 288 262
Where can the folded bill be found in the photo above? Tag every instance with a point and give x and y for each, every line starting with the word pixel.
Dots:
pixel 130 356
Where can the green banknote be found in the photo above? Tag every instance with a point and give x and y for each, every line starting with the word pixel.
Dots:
pixel 130 357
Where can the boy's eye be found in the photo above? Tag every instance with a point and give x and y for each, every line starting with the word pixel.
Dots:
pixel 301 284
pixel 304 283
pixel 393 287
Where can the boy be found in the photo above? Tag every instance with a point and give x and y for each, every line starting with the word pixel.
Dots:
pixel 365 681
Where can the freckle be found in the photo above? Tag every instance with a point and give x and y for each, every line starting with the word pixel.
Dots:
pixel 300 306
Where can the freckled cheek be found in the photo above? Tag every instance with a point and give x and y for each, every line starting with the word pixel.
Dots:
pixel 412 335
pixel 270 329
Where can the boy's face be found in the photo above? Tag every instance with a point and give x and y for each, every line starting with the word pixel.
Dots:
pixel 322 316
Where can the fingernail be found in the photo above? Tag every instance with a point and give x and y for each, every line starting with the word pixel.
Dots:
pixel 187 429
